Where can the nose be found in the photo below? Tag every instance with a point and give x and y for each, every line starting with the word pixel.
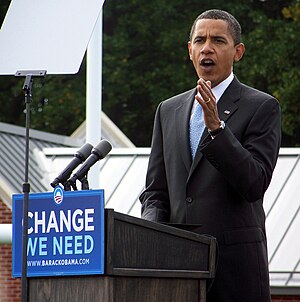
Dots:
pixel 206 48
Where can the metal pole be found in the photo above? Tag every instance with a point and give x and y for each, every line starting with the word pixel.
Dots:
pixel 94 96
pixel 26 189
pixel 27 88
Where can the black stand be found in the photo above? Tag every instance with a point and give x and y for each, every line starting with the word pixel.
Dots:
pixel 85 184
pixel 27 88
pixel 68 185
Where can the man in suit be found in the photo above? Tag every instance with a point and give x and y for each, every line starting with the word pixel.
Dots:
pixel 222 185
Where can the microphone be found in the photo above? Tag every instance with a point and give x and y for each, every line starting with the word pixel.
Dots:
pixel 79 157
pixel 98 152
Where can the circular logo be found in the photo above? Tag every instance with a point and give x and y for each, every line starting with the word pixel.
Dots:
pixel 58 195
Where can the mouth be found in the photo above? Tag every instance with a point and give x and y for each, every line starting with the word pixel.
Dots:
pixel 207 63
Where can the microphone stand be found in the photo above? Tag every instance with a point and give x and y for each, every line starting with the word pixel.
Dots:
pixel 27 88
pixel 68 185
pixel 84 183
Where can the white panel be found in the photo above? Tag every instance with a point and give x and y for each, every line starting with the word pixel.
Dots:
pixel 128 191
pixel 47 35
pixel 113 172
pixel 283 211
pixel 278 279
pixel 136 209
pixel 288 253
pixel 282 170
pixel 295 280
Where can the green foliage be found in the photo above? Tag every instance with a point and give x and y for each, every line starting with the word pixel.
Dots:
pixel 145 60
pixel 145 64
pixel 59 111
pixel 271 63
pixel 57 106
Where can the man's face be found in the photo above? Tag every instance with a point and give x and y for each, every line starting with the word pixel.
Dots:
pixel 212 50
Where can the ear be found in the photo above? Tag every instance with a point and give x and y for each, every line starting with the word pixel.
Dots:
pixel 190 49
pixel 239 51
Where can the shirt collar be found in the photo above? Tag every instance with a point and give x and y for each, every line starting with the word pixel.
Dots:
pixel 219 89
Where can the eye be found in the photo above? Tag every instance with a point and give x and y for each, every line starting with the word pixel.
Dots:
pixel 220 40
pixel 198 40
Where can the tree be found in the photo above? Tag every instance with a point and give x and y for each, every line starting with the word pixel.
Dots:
pixel 145 60
pixel 271 64
pixel 146 57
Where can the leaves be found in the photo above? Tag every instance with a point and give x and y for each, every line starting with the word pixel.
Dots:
pixel 145 60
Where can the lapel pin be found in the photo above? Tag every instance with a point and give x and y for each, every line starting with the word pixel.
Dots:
pixel 226 111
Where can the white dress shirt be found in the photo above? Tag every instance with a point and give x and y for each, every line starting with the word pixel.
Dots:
pixel 217 91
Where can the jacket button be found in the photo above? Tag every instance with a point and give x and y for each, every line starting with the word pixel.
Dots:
pixel 189 199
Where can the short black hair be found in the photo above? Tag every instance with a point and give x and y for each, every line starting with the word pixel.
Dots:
pixel 234 26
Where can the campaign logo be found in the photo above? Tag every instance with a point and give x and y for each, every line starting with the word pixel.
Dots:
pixel 58 195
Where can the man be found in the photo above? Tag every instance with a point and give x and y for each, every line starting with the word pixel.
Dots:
pixel 222 186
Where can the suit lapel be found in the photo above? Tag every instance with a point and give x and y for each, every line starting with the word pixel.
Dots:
pixel 182 120
pixel 227 105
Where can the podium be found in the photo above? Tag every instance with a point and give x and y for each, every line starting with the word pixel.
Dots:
pixel 144 262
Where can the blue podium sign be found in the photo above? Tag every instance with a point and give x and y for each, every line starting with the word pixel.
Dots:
pixel 65 233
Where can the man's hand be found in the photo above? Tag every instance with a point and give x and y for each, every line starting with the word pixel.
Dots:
pixel 208 103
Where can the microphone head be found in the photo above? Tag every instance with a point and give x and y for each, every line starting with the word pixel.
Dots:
pixel 84 151
pixel 102 149
pixel 80 156
pixel 98 152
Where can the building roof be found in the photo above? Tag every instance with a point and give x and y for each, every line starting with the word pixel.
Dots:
pixel 122 176
pixel 282 208
pixel 12 158
pixel 12 154
pixel 109 130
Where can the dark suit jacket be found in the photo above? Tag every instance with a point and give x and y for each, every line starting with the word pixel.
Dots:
pixel 223 188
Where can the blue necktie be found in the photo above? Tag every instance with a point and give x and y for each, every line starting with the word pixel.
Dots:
pixel 197 126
